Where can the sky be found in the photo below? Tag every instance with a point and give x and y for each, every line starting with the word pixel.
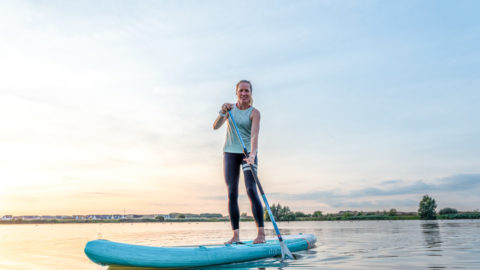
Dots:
pixel 108 106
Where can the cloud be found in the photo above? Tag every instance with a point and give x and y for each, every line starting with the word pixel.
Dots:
pixel 375 203
pixel 391 182
pixel 375 197
pixel 459 183
pixel 126 93
pixel 462 182
pixel 102 194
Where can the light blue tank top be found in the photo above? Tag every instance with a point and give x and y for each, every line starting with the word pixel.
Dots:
pixel 244 124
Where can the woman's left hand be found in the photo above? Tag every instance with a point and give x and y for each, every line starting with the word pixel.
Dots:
pixel 250 159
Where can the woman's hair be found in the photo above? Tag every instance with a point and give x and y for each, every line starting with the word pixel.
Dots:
pixel 251 89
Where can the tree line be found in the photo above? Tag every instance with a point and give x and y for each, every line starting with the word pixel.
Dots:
pixel 426 210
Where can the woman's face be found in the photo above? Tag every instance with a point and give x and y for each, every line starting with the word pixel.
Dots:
pixel 244 92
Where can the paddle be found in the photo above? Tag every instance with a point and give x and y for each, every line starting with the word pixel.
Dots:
pixel 285 251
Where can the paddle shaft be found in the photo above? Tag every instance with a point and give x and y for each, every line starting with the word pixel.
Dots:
pixel 255 177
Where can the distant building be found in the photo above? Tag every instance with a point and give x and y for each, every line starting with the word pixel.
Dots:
pixel 31 217
pixel 133 216
pixel 7 217
pixel 99 217
pixel 79 217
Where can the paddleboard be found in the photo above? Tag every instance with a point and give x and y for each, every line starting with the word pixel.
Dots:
pixel 107 252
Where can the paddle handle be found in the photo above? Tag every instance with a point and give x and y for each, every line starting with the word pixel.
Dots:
pixel 255 177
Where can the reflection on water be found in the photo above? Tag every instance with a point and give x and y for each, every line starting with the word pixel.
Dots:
pixel 431 234
pixel 340 244
pixel 433 241
pixel 268 263
pixel 260 264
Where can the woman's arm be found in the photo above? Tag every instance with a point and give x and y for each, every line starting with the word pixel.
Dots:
pixel 221 119
pixel 254 135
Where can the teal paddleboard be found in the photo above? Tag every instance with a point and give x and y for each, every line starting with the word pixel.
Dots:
pixel 106 252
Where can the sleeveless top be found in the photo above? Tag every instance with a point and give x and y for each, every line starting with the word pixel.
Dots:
pixel 244 124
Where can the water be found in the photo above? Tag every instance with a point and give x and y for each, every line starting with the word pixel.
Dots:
pixel 341 244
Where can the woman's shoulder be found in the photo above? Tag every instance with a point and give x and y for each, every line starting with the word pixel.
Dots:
pixel 255 111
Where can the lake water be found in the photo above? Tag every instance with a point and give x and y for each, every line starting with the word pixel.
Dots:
pixel 341 244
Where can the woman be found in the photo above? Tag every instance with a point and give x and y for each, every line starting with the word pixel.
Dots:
pixel 248 123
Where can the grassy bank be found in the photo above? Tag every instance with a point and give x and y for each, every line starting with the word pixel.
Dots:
pixel 470 215
pixel 143 220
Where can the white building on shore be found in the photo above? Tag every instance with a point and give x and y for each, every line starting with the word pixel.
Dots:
pixel 7 217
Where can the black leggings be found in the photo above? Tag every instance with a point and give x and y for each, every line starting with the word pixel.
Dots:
pixel 231 168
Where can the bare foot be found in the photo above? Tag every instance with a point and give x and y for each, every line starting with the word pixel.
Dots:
pixel 260 236
pixel 260 239
pixel 233 240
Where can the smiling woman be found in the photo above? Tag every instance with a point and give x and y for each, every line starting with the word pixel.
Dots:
pixel 248 122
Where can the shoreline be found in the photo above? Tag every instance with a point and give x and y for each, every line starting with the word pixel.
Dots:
pixel 181 220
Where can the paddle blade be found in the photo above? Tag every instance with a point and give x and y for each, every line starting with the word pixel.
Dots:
pixel 286 254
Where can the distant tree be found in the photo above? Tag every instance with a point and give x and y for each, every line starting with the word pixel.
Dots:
pixel 446 211
pixel 280 213
pixel 426 208
pixel 210 215
pixel 283 212
pixel 392 212
pixel 290 216
pixel 317 214
pixel 277 212
pixel 160 218
pixel 190 215
pixel 243 214
pixel 174 215
pixel 181 216
pixel 300 214
pixel 273 209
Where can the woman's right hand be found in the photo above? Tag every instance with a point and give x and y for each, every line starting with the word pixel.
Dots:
pixel 226 107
